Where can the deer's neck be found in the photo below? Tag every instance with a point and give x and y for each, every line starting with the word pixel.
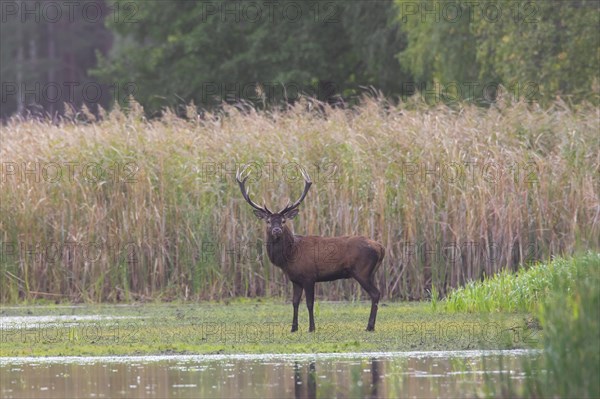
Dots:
pixel 280 251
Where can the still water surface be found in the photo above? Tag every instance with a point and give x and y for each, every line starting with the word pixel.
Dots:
pixel 352 375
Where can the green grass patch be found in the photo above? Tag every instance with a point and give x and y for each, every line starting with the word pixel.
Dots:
pixel 519 292
pixel 568 307
pixel 570 317
pixel 255 327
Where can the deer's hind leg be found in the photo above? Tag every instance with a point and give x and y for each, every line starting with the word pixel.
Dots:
pixel 368 285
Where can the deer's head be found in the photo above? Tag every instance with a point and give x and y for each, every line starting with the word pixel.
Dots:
pixel 275 220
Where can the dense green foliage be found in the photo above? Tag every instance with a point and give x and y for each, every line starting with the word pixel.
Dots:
pixel 217 51
pixel 448 51
pixel 536 50
pixel 168 53
pixel 46 51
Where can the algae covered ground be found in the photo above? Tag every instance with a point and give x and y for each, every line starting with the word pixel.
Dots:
pixel 255 326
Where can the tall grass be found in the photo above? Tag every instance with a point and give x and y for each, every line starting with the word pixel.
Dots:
pixel 570 317
pixel 453 194
pixel 569 313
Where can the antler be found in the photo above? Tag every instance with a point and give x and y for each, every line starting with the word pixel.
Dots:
pixel 242 184
pixel 307 184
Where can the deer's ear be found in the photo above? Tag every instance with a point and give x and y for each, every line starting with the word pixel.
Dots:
pixel 261 214
pixel 291 214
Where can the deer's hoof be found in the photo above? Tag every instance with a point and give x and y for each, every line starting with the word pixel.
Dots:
pixel 370 328
pixel 294 328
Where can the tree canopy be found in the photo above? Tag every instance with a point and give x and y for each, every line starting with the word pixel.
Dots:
pixel 536 50
pixel 171 53
pixel 233 51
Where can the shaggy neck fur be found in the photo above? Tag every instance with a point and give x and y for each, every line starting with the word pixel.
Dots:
pixel 280 250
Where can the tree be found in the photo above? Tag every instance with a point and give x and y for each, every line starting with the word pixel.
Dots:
pixel 537 50
pixel 210 52
pixel 47 48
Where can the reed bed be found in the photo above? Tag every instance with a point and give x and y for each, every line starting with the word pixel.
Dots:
pixel 121 208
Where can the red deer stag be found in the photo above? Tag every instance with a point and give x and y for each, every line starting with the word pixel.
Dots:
pixel 307 260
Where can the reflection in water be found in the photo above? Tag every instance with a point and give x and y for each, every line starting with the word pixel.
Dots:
pixel 305 380
pixel 302 390
pixel 309 376
pixel 305 384
pixel 374 377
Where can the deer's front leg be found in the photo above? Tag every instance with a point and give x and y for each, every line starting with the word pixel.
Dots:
pixel 310 301
pixel 297 295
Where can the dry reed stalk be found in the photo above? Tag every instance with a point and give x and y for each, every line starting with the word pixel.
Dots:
pixel 453 195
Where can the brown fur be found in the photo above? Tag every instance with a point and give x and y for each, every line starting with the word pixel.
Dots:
pixel 307 260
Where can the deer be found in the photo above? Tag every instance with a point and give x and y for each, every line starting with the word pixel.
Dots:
pixel 309 259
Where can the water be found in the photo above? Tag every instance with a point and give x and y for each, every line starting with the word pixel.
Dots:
pixel 350 375
pixel 32 322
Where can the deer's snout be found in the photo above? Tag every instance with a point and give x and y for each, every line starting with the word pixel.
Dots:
pixel 276 231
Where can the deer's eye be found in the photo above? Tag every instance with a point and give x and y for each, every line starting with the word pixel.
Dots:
pixel 283 221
